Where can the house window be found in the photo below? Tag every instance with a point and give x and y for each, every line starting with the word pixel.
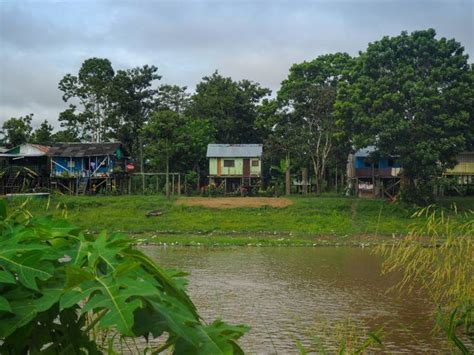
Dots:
pixel 229 163
pixel 368 164
pixel 392 162
pixel 254 162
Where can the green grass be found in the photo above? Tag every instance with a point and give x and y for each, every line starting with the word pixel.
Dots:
pixel 309 220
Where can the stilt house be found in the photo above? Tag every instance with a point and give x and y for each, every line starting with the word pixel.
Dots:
pixel 235 166
pixel 371 175
pixel 464 169
pixel 24 168
pixel 82 167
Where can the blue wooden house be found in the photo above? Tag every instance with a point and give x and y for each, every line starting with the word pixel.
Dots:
pixel 86 167
pixel 86 159
pixel 373 175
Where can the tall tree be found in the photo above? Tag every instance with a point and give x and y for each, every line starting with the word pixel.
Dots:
pixel 163 137
pixel 43 134
pixel 174 141
pixel 131 100
pixel 197 134
pixel 308 96
pixel 91 89
pixel 411 96
pixel 230 106
pixel 64 136
pixel 16 131
pixel 282 138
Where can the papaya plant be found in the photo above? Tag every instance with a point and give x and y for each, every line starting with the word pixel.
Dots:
pixel 62 291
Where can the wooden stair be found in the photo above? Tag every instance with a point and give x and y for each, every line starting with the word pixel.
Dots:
pixel 82 184
pixel 13 184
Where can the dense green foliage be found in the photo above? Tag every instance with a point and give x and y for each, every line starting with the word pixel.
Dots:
pixel 16 131
pixel 230 106
pixel 174 141
pixel 60 288
pixel 43 134
pixel 411 96
pixel 112 104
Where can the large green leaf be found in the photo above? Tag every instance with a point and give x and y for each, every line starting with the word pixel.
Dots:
pixel 162 276
pixel 28 266
pixel 6 277
pixel 5 305
pixel 26 307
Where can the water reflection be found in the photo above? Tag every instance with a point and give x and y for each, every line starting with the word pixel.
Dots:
pixel 286 294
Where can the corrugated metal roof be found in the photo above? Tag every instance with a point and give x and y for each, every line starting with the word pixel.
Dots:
pixel 28 150
pixel 83 149
pixel 234 150
pixel 43 148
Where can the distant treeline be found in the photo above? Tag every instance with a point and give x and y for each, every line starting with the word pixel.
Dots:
pixel 410 95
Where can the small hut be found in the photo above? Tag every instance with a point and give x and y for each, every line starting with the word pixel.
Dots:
pixel 24 168
pixel 235 166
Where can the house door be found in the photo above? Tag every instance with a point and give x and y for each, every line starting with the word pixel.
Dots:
pixel 246 167
pixel 219 167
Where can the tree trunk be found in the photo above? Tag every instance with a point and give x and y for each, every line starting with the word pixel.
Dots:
pixel 198 170
pixel 304 174
pixel 317 173
pixel 287 176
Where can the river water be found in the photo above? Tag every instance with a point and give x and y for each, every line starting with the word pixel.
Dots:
pixel 302 294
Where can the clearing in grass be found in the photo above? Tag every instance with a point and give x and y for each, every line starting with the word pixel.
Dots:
pixel 235 202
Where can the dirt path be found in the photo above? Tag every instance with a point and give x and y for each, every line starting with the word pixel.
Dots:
pixel 235 202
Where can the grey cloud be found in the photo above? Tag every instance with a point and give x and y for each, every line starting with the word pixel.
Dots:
pixel 258 40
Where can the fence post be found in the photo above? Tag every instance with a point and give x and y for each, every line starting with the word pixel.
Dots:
pixel 172 184
pixel 179 184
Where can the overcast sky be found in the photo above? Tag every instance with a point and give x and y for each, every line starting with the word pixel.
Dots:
pixel 41 41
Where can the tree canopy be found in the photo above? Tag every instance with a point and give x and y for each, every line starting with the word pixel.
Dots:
pixel 16 131
pixel 410 96
pixel 43 134
pixel 230 106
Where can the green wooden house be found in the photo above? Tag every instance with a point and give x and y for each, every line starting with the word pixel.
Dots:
pixel 235 166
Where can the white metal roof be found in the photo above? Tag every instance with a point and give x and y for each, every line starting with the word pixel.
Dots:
pixel 27 150
pixel 365 152
pixel 234 150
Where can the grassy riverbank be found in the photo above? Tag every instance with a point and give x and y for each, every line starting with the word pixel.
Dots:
pixel 306 221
